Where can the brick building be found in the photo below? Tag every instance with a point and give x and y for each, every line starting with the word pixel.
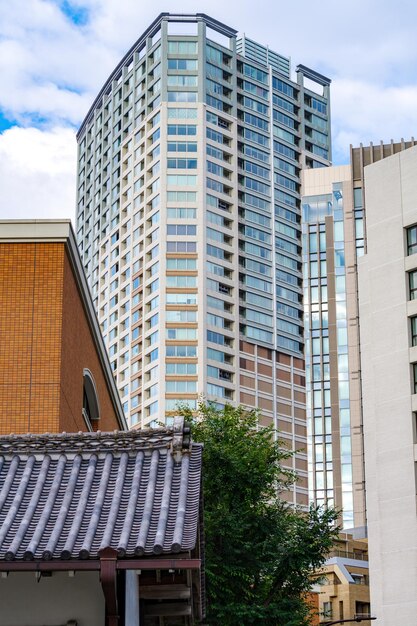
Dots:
pixel 54 371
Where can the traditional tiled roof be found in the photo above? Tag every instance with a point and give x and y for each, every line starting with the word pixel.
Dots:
pixel 72 495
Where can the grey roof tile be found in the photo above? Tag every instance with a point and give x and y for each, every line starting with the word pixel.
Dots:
pixel 70 496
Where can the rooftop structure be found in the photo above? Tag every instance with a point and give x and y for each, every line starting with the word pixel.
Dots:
pixel 105 506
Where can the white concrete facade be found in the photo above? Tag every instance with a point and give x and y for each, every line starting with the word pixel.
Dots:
pixel 387 374
pixel 51 601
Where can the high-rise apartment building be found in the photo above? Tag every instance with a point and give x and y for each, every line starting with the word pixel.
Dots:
pixel 188 222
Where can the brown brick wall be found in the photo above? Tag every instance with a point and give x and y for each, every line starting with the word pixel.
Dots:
pixel 30 336
pixel 45 343
pixel 79 352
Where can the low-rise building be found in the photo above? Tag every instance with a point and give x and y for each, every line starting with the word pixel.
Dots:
pixel 101 528
pixel 344 581
pixel 54 370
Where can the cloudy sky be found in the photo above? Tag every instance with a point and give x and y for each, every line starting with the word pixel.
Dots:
pixel 56 54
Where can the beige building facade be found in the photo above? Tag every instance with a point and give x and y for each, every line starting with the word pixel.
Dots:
pixel 333 240
pixel 388 313
pixel 334 214
pixel 343 583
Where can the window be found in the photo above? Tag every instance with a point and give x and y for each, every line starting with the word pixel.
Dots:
pixel 217 355
pixel 252 168
pixel 182 64
pixel 181 229
pixel 253 72
pixel 182 96
pixel 256 121
pixel 255 105
pixel 181 351
pixel 181 264
pixel 181 80
pixel 413 321
pixel 279 85
pixel 285 150
pixel 257 218
pixel 284 134
pixel 181 246
pixel 252 135
pixel 281 118
pixel 181 196
pixel 257 283
pixel 254 89
pixel 219 338
pixel 258 317
pixel 181 316
pixel 412 240
pixel 412 279
pixel 181 213
pixel 182 146
pixel 255 153
pixel 258 334
pixel 182 129
pixel 285 166
pixel 182 47
pixel 284 104
pixel 91 409
pixel 414 377
pixel 181 386
pixel 254 298
pixel 318 106
pixel 186 164
pixel 257 186
pixel 181 333
pixel 217 170
pixel 214 135
pixel 327 609
pixel 180 179
pixel 181 281
pixel 217 186
pixel 182 113
pixel 181 298
pixel 181 369
pixel 174 404
pixel 255 250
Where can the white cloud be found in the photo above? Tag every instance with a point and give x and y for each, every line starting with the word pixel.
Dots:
pixel 37 173
pixel 52 69
pixel 365 112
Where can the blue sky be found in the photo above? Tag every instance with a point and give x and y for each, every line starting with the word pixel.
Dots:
pixel 56 54
pixel 76 13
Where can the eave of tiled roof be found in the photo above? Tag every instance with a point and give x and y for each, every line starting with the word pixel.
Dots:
pixel 71 496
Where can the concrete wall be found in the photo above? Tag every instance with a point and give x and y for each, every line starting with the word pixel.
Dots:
pixel 51 601
pixel 391 206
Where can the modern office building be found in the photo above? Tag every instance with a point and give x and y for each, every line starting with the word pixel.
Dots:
pixel 388 315
pixel 188 222
pixel 334 239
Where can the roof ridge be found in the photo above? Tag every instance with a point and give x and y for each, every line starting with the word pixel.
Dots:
pixel 176 438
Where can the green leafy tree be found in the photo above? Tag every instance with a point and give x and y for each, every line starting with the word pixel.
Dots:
pixel 260 552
